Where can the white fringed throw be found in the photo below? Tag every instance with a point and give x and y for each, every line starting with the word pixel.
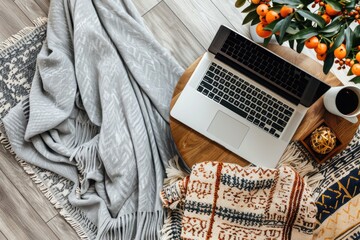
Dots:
pixel 98 112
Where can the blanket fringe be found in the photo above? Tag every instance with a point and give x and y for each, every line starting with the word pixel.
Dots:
pixel 22 33
pixel 299 160
pixel 174 172
pixel 87 161
pixel 141 225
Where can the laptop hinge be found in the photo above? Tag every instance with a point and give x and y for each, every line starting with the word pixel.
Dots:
pixel 256 77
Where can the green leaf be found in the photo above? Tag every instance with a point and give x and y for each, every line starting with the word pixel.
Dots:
pixel 291 43
pixel 329 61
pixel 304 34
pixel 306 2
pixel 312 17
pixel 277 39
pixel 250 8
pixel 350 5
pixel 250 16
pixel 293 28
pixel 299 45
pixel 334 4
pixel 272 25
pixel 255 21
pixel 357 31
pixel 266 41
pixel 356 36
pixel 239 3
pixel 284 26
pixel 339 39
pixel 355 79
pixel 349 40
pixel 332 28
pixel 349 73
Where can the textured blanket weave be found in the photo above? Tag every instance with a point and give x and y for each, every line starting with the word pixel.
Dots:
pixel 226 201
pixel 97 114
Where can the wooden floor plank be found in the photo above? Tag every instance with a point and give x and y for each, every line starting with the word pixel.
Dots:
pixel 44 5
pixel 62 228
pixel 2 236
pixel 202 18
pixel 26 186
pixel 30 9
pixel 18 220
pixel 173 35
pixel 233 14
pixel 12 19
pixel 144 6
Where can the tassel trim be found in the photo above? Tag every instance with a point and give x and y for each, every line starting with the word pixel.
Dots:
pixel 171 229
pixel 174 172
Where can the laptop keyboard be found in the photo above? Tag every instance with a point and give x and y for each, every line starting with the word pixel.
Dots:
pixel 258 59
pixel 245 99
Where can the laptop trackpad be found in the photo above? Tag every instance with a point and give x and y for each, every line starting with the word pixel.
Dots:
pixel 228 129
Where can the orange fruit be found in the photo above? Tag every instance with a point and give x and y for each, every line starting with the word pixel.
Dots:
pixel 321 57
pixel 330 11
pixel 285 11
pixel 340 52
pixel 312 42
pixel 261 32
pixel 355 69
pixel 358 56
pixel 347 61
pixel 263 19
pixel 321 48
pixel 326 18
pixel 255 1
pixel 262 9
pixel 271 16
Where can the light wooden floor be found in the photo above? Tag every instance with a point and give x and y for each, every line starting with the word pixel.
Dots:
pixel 185 27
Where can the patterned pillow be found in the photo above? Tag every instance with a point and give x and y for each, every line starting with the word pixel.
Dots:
pixel 226 201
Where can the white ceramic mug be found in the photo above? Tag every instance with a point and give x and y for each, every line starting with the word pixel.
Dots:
pixel 343 101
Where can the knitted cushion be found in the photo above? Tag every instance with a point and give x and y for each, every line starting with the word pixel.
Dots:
pixel 226 201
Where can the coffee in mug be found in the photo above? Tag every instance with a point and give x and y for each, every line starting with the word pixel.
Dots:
pixel 347 101
pixel 343 101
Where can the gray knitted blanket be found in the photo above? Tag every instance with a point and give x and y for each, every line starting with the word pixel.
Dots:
pixel 97 114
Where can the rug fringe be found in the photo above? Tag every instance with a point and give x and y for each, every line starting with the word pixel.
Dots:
pixel 296 158
pixel 22 33
pixel 40 21
pixel 70 214
pixel 4 140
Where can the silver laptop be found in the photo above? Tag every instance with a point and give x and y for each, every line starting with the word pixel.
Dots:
pixel 246 98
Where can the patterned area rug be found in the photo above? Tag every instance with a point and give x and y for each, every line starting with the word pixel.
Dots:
pixel 17 68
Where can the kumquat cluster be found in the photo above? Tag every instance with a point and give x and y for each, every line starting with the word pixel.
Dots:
pixel 330 27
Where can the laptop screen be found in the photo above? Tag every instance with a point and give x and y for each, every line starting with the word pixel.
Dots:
pixel 267 68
